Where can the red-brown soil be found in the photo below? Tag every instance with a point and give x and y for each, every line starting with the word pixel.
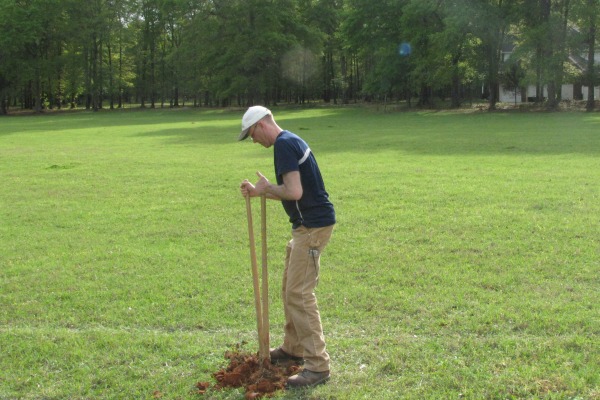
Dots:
pixel 245 370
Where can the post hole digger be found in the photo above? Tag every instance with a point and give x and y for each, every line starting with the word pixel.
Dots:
pixel 255 372
pixel 261 302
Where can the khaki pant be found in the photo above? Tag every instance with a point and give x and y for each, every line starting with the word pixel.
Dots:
pixel 303 329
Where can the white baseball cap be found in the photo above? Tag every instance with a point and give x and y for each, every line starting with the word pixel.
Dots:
pixel 252 116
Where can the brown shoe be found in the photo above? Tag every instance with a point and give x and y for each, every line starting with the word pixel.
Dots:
pixel 278 356
pixel 308 378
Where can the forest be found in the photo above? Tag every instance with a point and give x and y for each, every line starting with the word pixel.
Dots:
pixel 97 54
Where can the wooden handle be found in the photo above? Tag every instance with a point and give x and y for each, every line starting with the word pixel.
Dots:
pixel 265 277
pixel 257 302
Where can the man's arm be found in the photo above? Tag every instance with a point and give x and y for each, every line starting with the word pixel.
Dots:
pixel 291 189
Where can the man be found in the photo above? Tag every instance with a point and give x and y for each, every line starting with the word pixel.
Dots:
pixel 302 193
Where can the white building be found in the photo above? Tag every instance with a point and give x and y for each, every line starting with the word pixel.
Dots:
pixel 569 91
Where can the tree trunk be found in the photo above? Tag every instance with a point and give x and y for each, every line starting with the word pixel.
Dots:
pixel 425 97
pixel 37 88
pixel 591 72
pixel 94 75
pixel 344 73
pixel 552 102
pixel 120 73
pixel 493 88
pixel 3 106
pixel 100 85
pixel 110 77
pixel 455 91
pixel 327 76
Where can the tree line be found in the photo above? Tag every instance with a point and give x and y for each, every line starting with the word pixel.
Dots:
pixel 168 53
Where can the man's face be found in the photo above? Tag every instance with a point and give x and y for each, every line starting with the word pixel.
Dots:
pixel 257 134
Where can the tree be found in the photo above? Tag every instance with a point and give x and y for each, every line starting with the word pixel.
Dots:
pixel 317 38
pixel 512 77
pixel 557 53
pixel 242 52
pixel 148 28
pixel 544 36
pixel 455 46
pixel 492 20
pixel 175 15
pixel 372 34
pixel 591 69
pixel 31 45
pixel 421 21
pixel 586 13
pixel 10 44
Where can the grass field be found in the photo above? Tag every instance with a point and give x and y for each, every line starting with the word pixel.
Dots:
pixel 465 262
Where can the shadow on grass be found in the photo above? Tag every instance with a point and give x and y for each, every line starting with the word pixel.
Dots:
pixel 354 129
pixel 419 133
pixel 74 120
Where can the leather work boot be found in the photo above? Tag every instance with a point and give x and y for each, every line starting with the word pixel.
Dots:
pixel 307 378
pixel 278 356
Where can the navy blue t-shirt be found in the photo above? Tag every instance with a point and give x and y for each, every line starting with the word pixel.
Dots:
pixel 313 210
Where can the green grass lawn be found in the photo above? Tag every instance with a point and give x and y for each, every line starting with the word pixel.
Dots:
pixel 465 262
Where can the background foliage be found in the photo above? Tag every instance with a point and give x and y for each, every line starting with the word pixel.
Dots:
pixel 98 53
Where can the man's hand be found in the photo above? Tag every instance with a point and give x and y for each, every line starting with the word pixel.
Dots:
pixel 260 188
pixel 262 184
pixel 247 189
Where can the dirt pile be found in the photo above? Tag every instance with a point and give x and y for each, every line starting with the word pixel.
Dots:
pixel 245 370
